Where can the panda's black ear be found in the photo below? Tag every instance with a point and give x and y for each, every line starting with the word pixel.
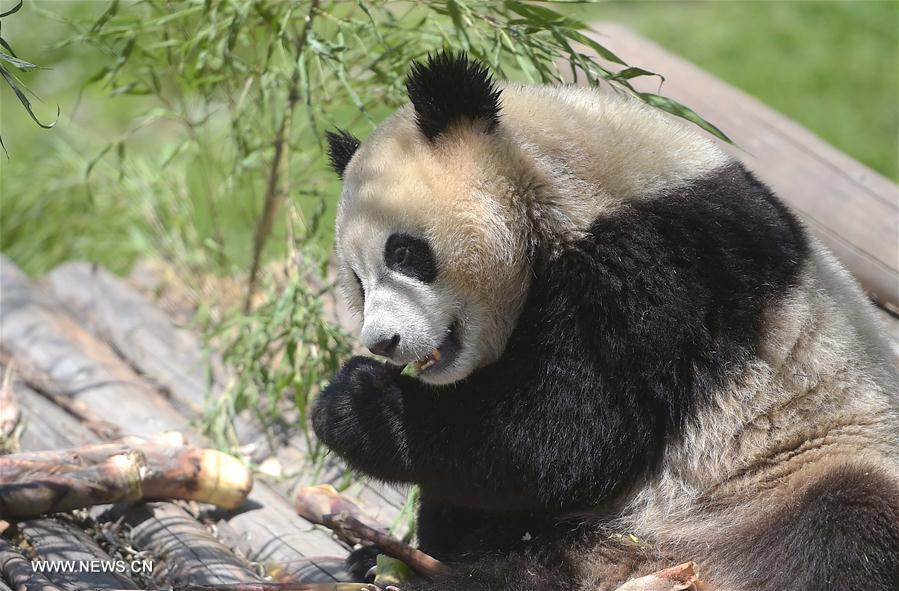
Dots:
pixel 449 88
pixel 341 147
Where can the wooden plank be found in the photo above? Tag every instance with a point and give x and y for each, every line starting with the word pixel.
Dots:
pixel 278 565
pixel 57 540
pixel 851 208
pixel 46 425
pixel 263 532
pixel 142 334
pixel 187 553
pixel 16 569
pixel 35 329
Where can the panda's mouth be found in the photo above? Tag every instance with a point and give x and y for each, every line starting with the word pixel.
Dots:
pixel 442 355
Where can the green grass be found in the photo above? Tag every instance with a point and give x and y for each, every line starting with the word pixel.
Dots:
pixel 831 66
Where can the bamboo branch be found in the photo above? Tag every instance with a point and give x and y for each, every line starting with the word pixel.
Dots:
pixel 273 192
pixel 323 505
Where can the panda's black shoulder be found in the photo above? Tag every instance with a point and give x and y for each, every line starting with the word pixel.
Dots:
pixel 666 295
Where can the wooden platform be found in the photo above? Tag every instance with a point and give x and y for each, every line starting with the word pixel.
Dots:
pixel 87 338
pixel 96 359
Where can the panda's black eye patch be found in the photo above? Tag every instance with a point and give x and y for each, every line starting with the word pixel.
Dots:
pixel 411 256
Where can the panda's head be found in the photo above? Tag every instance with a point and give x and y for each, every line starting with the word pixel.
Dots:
pixel 431 238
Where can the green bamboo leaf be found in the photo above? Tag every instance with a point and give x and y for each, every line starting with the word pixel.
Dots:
pixel 6 46
pixel 19 63
pixel 601 50
pixel 630 73
pixel 104 18
pixel 10 79
pixel 675 108
pixel 13 10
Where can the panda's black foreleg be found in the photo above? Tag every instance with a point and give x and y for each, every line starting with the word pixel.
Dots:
pixel 492 442
pixel 509 573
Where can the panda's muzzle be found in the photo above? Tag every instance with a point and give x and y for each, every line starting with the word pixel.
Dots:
pixel 442 355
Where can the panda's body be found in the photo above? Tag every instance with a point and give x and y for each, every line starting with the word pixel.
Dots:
pixel 633 336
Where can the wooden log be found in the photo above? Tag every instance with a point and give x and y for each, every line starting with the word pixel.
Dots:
pixel 47 425
pixel 101 311
pixel 265 530
pixel 148 340
pixel 849 207
pixel 187 553
pixel 153 535
pixel 55 392
pixel 58 540
pixel 319 569
pixel 35 328
pixel 16 569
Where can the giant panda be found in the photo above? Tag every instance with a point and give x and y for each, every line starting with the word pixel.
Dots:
pixel 627 352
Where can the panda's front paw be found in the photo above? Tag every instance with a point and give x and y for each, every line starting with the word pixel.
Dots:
pixel 361 562
pixel 361 402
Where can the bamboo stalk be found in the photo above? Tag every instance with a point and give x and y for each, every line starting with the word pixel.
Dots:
pixel 116 479
pixel 31 487
pixel 274 192
pixel 325 506
pixel 676 578
pixel 96 452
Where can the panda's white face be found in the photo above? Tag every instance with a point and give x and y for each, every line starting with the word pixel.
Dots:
pixel 431 255
pixel 410 315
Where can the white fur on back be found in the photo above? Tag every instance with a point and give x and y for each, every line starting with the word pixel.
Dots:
pixel 823 391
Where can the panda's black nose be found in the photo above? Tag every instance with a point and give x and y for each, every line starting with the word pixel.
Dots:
pixel 385 347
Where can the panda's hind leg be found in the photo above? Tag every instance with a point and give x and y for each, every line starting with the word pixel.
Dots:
pixel 839 530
